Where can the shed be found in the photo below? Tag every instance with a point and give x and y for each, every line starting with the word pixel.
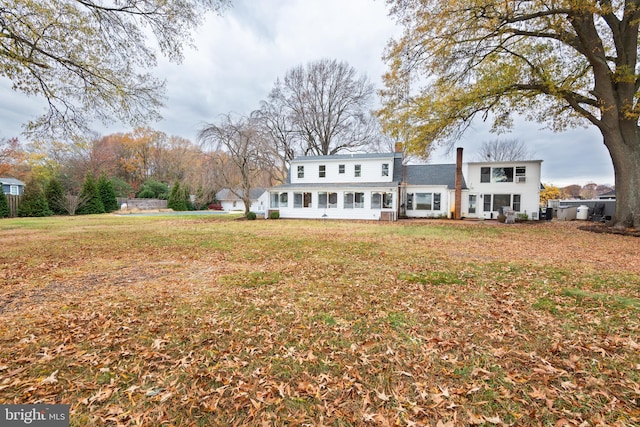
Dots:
pixel 12 186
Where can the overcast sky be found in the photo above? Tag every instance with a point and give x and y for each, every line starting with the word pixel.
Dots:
pixel 240 54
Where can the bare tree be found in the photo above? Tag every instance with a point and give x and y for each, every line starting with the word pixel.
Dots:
pixel 87 58
pixel 321 109
pixel 240 161
pixel 504 150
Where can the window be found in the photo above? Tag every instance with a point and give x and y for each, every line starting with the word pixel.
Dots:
pixel 300 171
pixel 516 202
pixel 376 200
pixel 502 175
pixel 322 200
pixel 333 200
pixel 322 171
pixel 423 201
pixel 387 200
pixel 358 200
pixel 357 170
pixel 301 200
pixel 348 200
pixel 410 201
pixel 273 200
pixel 472 203
pixel 385 169
pixel 426 201
pixel 486 206
pixel 500 200
pixel 485 174
pixel 284 200
pixel 521 174
pixel 340 168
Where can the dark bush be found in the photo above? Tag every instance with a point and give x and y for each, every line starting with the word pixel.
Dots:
pixel 4 206
pixel 274 215
pixel 34 202
pixel 91 196
pixel 251 216
pixel 107 194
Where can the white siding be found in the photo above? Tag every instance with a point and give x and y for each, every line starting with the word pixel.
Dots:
pixel 366 212
pixel 528 188
pixel 370 170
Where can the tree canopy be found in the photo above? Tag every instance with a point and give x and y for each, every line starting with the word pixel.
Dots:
pixel 565 63
pixel 89 58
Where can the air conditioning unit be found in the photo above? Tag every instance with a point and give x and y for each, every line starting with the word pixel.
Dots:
pixel 521 179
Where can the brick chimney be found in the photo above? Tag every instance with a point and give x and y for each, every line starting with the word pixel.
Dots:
pixel 457 211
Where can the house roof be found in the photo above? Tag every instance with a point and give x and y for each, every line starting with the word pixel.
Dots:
pixel 11 181
pixel 227 194
pixel 347 157
pixel 433 175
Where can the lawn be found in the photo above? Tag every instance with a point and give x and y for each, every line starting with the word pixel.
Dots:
pixel 212 321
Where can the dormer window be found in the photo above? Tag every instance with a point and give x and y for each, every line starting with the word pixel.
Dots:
pixel 385 169
pixel 300 171
pixel 357 171
pixel 340 168
pixel 322 171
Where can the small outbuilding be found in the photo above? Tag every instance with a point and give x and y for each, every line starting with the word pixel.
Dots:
pixel 12 186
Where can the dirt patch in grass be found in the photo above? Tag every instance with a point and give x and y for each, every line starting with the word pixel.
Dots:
pixel 205 321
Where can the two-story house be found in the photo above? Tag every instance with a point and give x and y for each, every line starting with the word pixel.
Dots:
pixel 379 187
pixel 493 185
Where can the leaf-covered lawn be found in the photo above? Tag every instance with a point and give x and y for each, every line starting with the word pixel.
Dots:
pixel 206 321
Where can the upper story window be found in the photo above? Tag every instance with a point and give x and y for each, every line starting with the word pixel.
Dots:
pixel 521 174
pixel 14 190
pixel 485 174
pixel 340 168
pixel 322 171
pixel 357 171
pixel 385 169
pixel 501 174
pixel 300 171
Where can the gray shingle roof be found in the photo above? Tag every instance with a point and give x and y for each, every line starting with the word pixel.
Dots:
pixel 227 194
pixel 11 181
pixel 433 175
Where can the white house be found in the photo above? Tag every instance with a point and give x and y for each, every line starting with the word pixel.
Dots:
pixel 379 187
pixel 230 202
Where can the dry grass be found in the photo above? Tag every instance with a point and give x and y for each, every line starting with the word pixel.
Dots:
pixel 206 321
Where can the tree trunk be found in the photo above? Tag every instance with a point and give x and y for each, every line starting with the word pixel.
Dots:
pixel 626 164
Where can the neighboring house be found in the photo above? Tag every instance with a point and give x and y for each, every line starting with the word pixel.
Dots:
pixel 12 186
pixel 379 187
pixel 230 202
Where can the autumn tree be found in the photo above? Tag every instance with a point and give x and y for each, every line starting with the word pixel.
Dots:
pixel 320 109
pixel 89 59
pixel 565 63
pixel 504 150
pixel 549 192
pixel 240 158
pixel 12 158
